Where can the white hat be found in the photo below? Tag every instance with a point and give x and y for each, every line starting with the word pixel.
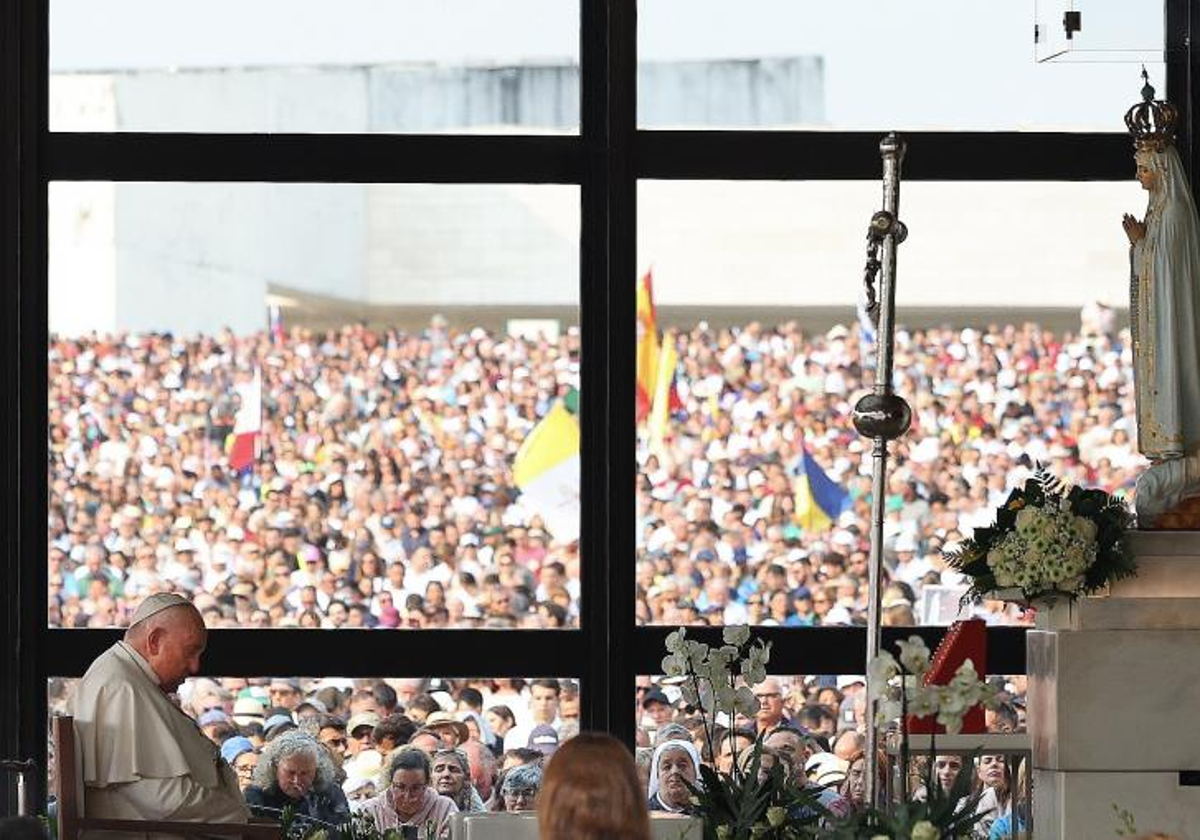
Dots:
pixel 156 603
pixel 826 769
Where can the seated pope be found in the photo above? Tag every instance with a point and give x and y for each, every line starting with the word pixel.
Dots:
pixel 142 757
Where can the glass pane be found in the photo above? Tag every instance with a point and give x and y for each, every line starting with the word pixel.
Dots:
pixel 361 722
pixel 781 64
pixel 320 406
pixel 1099 31
pixel 753 500
pixel 418 66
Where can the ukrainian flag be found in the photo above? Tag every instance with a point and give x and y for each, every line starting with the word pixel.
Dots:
pixel 819 499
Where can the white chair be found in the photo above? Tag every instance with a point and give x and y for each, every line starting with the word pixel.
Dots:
pixel 523 826
pixel 488 826
pixel 671 827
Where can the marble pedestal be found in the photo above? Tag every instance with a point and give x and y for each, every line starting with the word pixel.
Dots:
pixel 1114 700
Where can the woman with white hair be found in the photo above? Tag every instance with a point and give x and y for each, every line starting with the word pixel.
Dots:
pixel 675 766
pixel 452 778
pixel 296 772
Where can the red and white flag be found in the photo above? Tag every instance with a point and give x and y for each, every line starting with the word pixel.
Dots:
pixel 245 442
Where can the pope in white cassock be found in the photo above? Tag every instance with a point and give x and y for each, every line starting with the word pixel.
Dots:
pixel 142 757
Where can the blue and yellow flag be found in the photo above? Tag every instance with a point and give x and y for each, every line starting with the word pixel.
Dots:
pixel 819 499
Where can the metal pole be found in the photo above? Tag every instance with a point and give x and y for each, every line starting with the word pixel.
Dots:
pixel 882 415
pixel 20 768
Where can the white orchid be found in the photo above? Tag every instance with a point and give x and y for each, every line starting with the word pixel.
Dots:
pixel 737 635
pixel 753 668
pixel 745 703
pixel 948 704
pixel 923 700
pixel 888 710
pixel 914 655
pixel 880 672
pixel 674 665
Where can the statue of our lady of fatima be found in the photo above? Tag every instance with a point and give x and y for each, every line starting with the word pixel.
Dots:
pixel 1165 319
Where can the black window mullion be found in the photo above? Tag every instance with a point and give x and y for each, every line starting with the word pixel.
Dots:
pixel 25 71
pixel 608 263
pixel 314 158
pixel 854 155
pixel 1183 78
pixel 353 653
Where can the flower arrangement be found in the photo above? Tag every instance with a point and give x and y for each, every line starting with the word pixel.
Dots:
pixel 1048 541
pixel 945 703
pixel 899 687
pixel 738 805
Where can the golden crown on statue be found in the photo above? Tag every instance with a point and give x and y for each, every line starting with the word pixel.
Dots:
pixel 1152 122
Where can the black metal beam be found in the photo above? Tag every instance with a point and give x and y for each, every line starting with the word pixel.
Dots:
pixel 700 155
pixel 616 199
pixel 314 158
pixel 851 156
pixel 26 47
pixel 353 653
pixel 595 317
pixel 1176 54
pixel 830 650
pixel 10 273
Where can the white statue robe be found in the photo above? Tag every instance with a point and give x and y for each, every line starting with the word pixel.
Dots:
pixel 1165 315
pixel 141 756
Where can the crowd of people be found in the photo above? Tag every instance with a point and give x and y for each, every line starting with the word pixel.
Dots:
pixel 410 751
pixel 383 493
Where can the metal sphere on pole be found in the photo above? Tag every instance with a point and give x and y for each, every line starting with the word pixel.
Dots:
pixel 882 415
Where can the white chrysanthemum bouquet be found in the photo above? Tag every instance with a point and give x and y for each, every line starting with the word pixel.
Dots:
pixel 1049 541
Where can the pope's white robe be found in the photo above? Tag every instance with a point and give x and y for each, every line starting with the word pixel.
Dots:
pixel 141 756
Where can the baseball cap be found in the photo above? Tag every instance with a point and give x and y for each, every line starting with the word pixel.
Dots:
pixel 655 695
pixel 315 704
pixel 544 739
pixel 235 746
pixel 213 716
pixel 276 722
pixel 361 719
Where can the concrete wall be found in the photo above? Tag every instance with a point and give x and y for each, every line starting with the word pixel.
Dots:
pixel 198 257
pixel 769 244
pixel 473 244
pixel 202 256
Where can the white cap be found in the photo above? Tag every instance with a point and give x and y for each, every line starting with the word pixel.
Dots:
pixel 156 603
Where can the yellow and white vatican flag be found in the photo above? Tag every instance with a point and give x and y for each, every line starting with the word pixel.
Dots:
pixel 546 470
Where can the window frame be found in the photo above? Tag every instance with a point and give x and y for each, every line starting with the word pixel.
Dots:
pixel 606 160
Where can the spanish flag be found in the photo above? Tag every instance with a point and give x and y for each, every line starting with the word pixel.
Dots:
pixel 546 470
pixel 647 347
pixel 819 499
pixel 665 398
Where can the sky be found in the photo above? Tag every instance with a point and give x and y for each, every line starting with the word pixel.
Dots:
pixel 928 64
